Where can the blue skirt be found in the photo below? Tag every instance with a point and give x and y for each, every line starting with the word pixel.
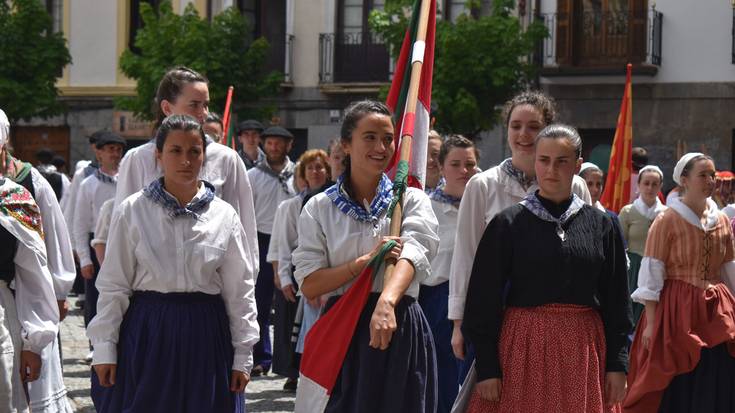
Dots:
pixel 174 355
pixel 399 379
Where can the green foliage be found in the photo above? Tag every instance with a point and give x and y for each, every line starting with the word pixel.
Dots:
pixel 221 50
pixel 479 63
pixel 32 57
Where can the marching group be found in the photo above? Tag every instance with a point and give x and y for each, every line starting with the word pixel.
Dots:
pixel 514 289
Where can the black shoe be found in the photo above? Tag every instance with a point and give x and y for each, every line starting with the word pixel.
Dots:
pixel 258 371
pixel 290 385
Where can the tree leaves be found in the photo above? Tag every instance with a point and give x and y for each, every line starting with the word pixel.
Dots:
pixel 33 57
pixel 222 50
pixel 479 63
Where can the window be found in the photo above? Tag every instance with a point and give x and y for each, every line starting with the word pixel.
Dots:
pixel 136 22
pixel 55 10
pixel 359 54
pixel 452 9
pixel 601 32
pixel 251 10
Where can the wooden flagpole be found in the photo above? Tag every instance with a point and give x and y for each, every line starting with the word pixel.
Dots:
pixel 226 116
pixel 417 64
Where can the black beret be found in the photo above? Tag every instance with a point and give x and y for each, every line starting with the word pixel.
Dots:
pixel 250 124
pixel 277 131
pixel 93 137
pixel 107 138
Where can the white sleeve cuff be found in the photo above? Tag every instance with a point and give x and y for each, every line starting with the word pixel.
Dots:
pixel 243 362
pixel 84 261
pixel 104 353
pixel 417 256
pixel 456 308
pixel 650 280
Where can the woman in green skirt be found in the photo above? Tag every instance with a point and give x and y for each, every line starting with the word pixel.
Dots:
pixel 635 220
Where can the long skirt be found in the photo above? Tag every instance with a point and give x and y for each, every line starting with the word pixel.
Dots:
pixel 693 326
pixel 174 355
pixel 12 397
pixel 283 348
pixel 553 360
pixel 400 379
pixel 635 266
pixel 434 301
pixel 48 393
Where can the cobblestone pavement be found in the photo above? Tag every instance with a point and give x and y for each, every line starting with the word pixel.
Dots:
pixel 263 394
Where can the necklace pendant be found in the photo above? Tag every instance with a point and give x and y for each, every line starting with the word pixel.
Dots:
pixel 560 232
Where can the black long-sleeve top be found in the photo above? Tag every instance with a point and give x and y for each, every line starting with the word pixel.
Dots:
pixel 522 262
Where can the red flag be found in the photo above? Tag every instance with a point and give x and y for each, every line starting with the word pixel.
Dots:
pixel 617 185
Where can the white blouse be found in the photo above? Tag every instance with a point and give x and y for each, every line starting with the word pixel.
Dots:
pixel 102 228
pixel 56 236
pixel 268 193
pixel 487 193
pixel 329 238
pixel 92 194
pixel 35 300
pixel 446 214
pixel 148 250
pixel 222 168
pixel 652 273
pixel 289 237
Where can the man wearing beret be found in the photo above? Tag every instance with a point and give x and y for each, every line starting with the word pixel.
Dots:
pixel 93 192
pixel 272 182
pixel 248 133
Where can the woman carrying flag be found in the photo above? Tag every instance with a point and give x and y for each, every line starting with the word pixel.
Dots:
pixel 390 364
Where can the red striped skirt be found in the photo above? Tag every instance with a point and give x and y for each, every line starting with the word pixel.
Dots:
pixel 553 360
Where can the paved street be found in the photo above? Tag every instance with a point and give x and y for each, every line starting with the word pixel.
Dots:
pixel 264 394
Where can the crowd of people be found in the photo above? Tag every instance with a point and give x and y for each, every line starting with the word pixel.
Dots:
pixel 514 289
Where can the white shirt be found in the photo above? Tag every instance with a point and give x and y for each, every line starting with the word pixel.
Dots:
pixel 729 210
pixel 329 238
pixel 56 236
pixel 35 301
pixel 486 194
pixel 102 228
pixel 222 168
pixel 69 197
pixel 288 239
pixel 446 214
pixel 92 194
pixel 148 250
pixel 268 193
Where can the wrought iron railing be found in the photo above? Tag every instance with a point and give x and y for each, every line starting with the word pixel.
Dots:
pixel 353 57
pixel 733 33
pixel 655 23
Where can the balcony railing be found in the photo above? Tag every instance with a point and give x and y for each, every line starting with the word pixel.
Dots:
pixel 600 39
pixel 353 57
pixel 733 33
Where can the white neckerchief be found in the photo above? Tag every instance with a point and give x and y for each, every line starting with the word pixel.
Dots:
pixel 599 206
pixel 712 213
pixel 649 212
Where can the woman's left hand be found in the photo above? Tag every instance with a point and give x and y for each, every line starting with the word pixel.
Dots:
pixel 238 381
pixel 615 386
pixel 382 324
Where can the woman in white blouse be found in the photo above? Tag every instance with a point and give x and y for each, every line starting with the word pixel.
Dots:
pixel 390 365
pixel 176 320
pixel 457 161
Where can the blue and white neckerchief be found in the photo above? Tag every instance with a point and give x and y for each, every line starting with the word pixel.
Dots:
pixel 103 177
pixel 283 176
pixel 342 200
pixel 440 184
pixel 156 193
pixel 532 203
pixel 517 174
pixel 439 195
